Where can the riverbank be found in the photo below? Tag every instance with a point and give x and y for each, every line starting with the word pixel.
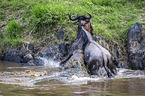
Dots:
pixel 44 25
pixel 46 22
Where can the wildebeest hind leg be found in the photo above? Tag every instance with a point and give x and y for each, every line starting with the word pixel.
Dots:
pixel 107 69
pixel 112 67
pixel 108 73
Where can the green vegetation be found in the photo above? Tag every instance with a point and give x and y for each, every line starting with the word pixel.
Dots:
pixel 14 30
pixel 38 20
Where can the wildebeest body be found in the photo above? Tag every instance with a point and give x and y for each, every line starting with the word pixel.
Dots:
pixel 90 56
pixel 96 56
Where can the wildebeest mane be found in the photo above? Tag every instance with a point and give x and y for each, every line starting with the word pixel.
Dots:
pixel 84 37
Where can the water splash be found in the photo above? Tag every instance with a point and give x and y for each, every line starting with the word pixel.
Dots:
pixel 75 80
pixel 71 76
pixel 49 62
pixel 128 73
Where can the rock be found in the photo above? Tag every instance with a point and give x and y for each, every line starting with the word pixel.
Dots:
pixel 134 33
pixel 47 52
pixel 27 58
pixel 38 61
pixel 12 55
pixel 21 54
pixel 136 47
pixel 1 55
pixel 76 61
pixel 30 63
pixel 25 54
pixel 50 52
pixel 30 46
pixel 53 52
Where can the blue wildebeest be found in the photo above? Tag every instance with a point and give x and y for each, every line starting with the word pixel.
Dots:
pixel 95 56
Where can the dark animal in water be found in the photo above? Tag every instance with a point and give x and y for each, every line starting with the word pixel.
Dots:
pixel 95 55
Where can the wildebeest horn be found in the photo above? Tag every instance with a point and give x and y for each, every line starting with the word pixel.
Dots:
pixel 87 17
pixel 73 19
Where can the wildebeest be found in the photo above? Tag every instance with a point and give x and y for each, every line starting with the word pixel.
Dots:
pixel 95 56
pixel 78 43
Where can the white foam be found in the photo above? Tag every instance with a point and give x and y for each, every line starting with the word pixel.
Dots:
pixel 49 62
pixel 75 80
pixel 127 73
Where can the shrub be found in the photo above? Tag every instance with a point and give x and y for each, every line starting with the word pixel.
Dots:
pixel 14 30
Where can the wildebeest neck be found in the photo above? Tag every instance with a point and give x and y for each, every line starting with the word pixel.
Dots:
pixel 79 33
pixel 88 34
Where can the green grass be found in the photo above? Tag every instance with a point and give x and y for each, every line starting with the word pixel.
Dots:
pixel 14 30
pixel 38 20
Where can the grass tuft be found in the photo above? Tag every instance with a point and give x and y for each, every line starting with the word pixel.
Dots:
pixel 14 30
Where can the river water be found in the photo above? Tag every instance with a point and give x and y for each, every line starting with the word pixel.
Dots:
pixel 51 80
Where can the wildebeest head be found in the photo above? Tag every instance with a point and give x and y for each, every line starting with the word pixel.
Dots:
pixel 83 20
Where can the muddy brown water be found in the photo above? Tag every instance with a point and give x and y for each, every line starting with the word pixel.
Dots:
pixel 52 80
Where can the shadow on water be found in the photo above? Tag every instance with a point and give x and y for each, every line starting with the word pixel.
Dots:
pixel 51 79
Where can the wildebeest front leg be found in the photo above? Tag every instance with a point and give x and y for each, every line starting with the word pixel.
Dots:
pixel 112 67
pixel 73 48
pixel 66 58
